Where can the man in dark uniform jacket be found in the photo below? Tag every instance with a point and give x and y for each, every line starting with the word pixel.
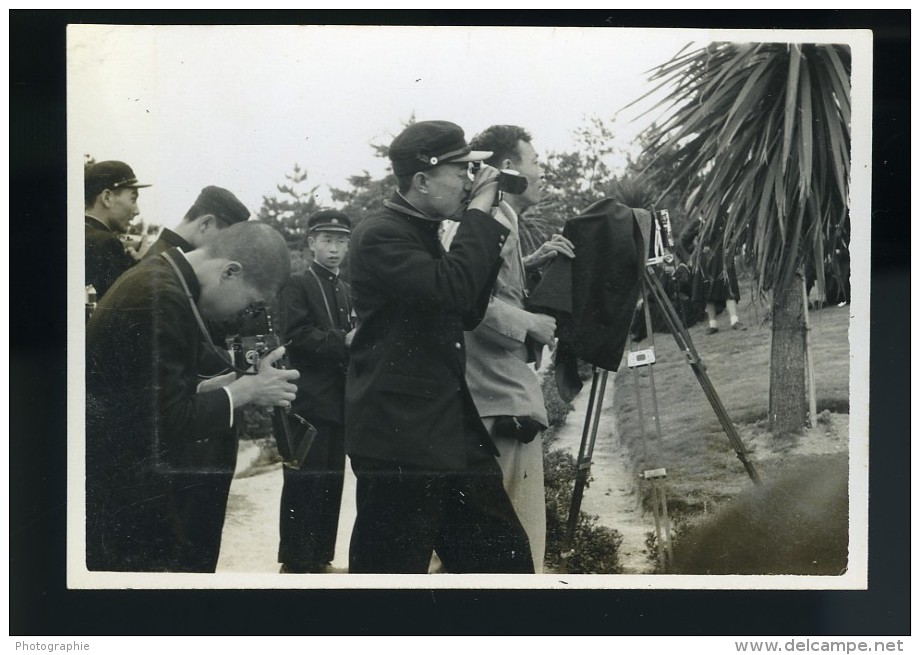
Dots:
pixel 110 199
pixel 151 418
pixel 317 328
pixel 427 479
pixel 213 210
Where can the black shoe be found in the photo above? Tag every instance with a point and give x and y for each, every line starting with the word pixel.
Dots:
pixel 712 330
pixel 738 325
pixel 304 568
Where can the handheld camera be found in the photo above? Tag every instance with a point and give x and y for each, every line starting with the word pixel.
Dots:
pixel 294 435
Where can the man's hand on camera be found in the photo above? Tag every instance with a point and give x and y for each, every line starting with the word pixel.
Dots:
pixel 542 328
pixel 269 387
pixel 557 245
pixel 485 186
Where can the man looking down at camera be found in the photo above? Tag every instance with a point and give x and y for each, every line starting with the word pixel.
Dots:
pixel 150 415
pixel 427 479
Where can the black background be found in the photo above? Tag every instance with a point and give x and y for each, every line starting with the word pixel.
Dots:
pixel 40 604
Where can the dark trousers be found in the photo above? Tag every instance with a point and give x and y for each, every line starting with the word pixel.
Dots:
pixel 310 501
pixel 403 515
pixel 201 504
pixel 176 528
pixel 161 519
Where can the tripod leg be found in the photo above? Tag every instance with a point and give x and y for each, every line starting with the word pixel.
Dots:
pixel 656 512
pixel 667 523
pixel 636 380
pixel 585 452
pixel 682 337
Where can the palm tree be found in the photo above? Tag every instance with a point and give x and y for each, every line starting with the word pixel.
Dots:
pixel 759 137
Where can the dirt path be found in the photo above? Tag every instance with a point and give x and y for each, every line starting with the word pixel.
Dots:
pixel 250 538
pixel 612 493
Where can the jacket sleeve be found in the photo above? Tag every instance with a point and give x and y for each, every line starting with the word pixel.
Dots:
pixel 182 413
pixel 398 264
pixel 504 324
pixel 309 338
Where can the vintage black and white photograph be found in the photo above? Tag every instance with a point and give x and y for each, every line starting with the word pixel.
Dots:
pixel 467 307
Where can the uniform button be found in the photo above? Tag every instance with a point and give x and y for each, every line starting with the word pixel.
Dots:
pixel 458 346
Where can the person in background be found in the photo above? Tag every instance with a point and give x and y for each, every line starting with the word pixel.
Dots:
pixel 317 328
pixel 506 390
pixel 110 204
pixel 427 479
pixel 152 418
pixel 713 283
pixel 213 210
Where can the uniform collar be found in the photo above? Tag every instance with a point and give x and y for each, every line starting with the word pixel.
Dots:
pixel 175 239
pixel 95 222
pixel 323 272
pixel 399 204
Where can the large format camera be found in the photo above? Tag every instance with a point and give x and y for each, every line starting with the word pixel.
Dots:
pixel 294 435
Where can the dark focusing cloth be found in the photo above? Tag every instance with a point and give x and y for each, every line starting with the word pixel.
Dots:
pixel 593 297
pixel 106 258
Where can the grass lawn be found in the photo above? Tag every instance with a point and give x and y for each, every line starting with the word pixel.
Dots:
pixel 703 469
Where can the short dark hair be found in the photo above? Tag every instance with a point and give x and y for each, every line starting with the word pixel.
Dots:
pixel 260 249
pixel 404 182
pixel 502 140
pixel 193 212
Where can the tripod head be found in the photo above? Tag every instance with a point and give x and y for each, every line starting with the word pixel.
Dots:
pixel 662 241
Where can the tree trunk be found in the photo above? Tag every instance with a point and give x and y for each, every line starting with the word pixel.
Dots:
pixel 788 408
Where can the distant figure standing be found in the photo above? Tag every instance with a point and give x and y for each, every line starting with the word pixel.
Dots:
pixel 317 326
pixel 110 204
pixel 713 284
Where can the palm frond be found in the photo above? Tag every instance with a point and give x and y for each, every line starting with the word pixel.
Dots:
pixel 756 137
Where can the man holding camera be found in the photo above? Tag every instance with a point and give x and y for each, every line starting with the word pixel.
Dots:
pixel 151 416
pixel 425 465
pixel 110 204
pixel 317 326
pixel 506 390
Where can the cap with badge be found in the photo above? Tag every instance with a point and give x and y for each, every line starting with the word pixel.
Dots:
pixel 329 220
pixel 222 204
pixel 427 144
pixel 112 174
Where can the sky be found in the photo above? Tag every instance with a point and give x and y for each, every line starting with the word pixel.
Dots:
pixel 239 106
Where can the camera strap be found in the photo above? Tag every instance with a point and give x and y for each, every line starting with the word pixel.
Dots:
pixel 319 284
pixel 205 333
pixel 188 294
